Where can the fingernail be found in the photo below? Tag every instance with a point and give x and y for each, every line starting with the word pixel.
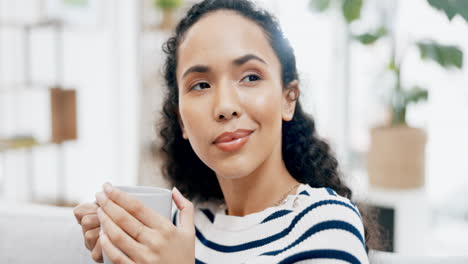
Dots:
pixel 179 195
pixel 100 197
pixel 107 187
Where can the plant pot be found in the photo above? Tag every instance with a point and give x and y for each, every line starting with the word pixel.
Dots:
pixel 396 157
pixel 167 20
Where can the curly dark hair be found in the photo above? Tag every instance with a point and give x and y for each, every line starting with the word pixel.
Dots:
pixel 308 158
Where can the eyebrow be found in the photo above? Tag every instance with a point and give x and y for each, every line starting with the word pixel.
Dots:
pixel 237 62
pixel 241 60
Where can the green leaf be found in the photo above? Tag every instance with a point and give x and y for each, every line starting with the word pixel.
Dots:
pixel 351 10
pixel 445 55
pixel 447 6
pixel 462 9
pixel 392 66
pixel 371 38
pixel 451 8
pixel 367 38
pixel 319 5
pixel 168 4
pixel 414 95
pixel 76 3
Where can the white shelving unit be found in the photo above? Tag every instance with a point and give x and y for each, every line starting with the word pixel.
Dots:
pixel 26 86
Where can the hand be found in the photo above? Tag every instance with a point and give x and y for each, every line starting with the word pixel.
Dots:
pixel 136 234
pixel 86 215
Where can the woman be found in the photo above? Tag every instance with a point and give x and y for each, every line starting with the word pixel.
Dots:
pixel 264 187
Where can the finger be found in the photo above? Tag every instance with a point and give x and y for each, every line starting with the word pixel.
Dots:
pixel 120 239
pixel 186 210
pixel 130 224
pixel 83 209
pixel 136 208
pixel 96 253
pixel 91 237
pixel 89 221
pixel 119 216
pixel 112 252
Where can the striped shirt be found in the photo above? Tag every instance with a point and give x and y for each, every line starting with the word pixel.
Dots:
pixel 315 225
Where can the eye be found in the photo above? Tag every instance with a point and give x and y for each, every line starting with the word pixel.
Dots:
pixel 200 86
pixel 251 78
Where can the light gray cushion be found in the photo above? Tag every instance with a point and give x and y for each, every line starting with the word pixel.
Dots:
pixel 378 257
pixel 40 234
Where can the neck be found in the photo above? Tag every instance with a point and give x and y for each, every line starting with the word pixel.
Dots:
pixel 260 189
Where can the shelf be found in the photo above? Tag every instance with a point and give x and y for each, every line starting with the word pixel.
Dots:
pixel 23 25
pixel 52 201
pixel 20 143
pixel 24 87
pixel 396 197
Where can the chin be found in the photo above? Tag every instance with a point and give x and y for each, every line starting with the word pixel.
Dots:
pixel 233 170
pixel 231 177
pixel 234 165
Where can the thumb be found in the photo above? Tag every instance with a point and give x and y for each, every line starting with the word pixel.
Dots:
pixel 186 210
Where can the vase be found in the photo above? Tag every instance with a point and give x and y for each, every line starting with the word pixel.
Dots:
pixel 167 20
pixel 396 158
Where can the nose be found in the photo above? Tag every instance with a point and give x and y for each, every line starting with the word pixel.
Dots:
pixel 227 105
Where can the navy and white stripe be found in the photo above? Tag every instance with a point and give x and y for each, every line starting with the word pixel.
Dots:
pixel 315 224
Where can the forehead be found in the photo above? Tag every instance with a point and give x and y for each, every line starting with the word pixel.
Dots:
pixel 222 36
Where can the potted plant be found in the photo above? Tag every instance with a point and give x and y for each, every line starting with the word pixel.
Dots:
pixel 396 158
pixel 168 8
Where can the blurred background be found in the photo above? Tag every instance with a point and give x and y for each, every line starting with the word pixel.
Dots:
pixel 386 81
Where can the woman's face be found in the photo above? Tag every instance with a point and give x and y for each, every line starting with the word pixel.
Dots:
pixel 229 80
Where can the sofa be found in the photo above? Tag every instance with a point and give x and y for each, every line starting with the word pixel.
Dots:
pixel 31 233
pixel 40 234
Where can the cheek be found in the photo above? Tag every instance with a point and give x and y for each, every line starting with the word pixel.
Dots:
pixel 264 107
pixel 194 114
pixel 191 114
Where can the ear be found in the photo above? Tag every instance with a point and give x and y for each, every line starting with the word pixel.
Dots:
pixel 181 123
pixel 290 96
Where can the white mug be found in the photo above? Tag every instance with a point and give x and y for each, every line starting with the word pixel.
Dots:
pixel 157 199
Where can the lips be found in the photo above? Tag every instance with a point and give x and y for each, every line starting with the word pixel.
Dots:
pixel 232 141
pixel 230 136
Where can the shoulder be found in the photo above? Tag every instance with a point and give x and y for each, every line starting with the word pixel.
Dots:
pixel 326 224
pixel 325 198
pixel 324 204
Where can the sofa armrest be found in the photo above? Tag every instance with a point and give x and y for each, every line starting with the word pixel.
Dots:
pixel 380 257
pixel 40 234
